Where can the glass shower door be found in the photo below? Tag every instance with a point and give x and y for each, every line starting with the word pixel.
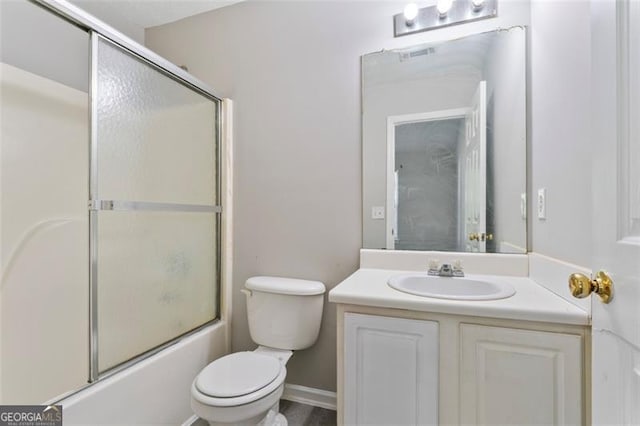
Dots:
pixel 154 198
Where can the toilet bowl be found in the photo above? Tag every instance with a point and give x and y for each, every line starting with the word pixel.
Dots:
pixel 240 388
pixel 244 388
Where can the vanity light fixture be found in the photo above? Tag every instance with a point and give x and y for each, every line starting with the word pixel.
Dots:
pixel 443 7
pixel 443 14
pixel 410 14
pixel 477 4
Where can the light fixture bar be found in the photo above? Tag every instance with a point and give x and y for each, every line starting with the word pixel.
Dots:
pixel 429 18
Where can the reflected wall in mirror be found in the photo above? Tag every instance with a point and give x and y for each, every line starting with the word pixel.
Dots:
pixel 444 145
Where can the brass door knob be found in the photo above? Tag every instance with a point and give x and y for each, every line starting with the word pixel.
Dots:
pixel 582 286
pixel 488 237
pixel 474 237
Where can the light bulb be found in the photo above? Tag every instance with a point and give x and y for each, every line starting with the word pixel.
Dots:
pixel 477 4
pixel 443 7
pixel 410 13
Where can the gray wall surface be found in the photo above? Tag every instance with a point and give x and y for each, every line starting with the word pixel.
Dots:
pixel 560 115
pixel 109 13
pixel 48 46
pixel 293 70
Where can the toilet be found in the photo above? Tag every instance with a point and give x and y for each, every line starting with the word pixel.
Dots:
pixel 244 388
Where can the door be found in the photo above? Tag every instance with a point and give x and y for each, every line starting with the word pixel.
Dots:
pixel 474 167
pixel 616 209
pixel 391 371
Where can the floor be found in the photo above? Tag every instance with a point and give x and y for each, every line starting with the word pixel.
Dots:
pixel 306 415
pixel 299 415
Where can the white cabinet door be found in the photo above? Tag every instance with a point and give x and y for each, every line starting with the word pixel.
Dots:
pixel 511 376
pixel 391 371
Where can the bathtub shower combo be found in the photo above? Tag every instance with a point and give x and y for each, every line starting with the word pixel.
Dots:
pixel 111 207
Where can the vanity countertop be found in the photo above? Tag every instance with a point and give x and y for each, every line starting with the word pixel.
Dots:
pixel 532 302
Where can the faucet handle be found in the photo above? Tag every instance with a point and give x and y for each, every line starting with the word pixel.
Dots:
pixel 457 269
pixel 433 267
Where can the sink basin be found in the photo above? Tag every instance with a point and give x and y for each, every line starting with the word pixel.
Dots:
pixel 451 288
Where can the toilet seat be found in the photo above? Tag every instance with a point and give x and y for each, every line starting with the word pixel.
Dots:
pixel 237 379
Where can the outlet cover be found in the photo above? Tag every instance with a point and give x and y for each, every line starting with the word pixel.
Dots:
pixel 377 212
pixel 542 204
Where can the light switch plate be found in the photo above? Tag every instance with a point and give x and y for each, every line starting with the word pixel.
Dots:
pixel 542 203
pixel 377 212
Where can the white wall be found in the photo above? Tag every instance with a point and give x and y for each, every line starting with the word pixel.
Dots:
pixel 293 70
pixel 560 146
pixel 44 259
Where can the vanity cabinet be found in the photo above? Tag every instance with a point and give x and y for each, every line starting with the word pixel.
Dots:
pixel 407 368
pixel 513 376
pixel 391 370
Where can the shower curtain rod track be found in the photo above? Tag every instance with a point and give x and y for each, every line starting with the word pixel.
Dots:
pixel 84 20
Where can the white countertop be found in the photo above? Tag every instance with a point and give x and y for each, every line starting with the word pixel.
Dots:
pixel 532 302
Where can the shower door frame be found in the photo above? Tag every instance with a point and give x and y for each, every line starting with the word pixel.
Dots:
pixel 98 30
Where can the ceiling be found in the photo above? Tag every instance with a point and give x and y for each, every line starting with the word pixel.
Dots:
pixel 133 16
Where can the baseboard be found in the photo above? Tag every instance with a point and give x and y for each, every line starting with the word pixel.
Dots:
pixel 310 396
pixel 190 421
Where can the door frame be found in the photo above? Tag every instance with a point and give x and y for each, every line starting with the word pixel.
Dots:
pixel 392 122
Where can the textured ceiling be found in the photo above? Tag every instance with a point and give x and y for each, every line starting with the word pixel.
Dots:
pixel 133 16
pixel 150 13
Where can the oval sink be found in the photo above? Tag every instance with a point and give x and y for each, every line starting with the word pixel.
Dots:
pixel 450 288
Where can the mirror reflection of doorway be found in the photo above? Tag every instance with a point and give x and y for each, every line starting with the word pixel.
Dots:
pixel 436 179
pixel 426 188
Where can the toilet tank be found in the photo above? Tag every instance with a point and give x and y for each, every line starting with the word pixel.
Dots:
pixel 284 313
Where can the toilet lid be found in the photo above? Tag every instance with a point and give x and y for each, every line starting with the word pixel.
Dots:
pixel 237 374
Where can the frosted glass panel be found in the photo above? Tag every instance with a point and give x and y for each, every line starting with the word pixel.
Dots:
pixel 156 137
pixel 156 279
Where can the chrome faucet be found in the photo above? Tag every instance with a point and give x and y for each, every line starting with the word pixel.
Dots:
pixel 446 270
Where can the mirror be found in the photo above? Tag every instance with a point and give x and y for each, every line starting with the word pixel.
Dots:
pixel 444 145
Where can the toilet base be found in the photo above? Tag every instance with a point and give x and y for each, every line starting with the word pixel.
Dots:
pixel 273 418
pixel 280 420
